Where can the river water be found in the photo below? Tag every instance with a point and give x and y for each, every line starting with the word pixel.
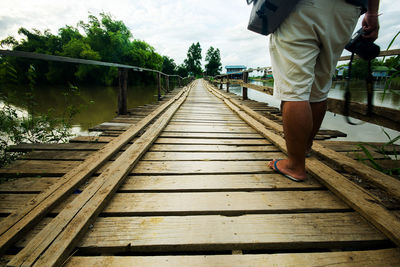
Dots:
pixel 366 132
pixel 99 104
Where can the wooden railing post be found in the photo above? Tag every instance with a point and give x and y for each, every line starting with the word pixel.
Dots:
pixel 221 82
pixel 227 84
pixel 167 78
pixel 245 79
pixel 123 91
pixel 159 85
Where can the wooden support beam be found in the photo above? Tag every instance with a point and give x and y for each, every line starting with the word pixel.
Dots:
pixel 356 197
pixel 159 86
pixel 51 247
pixel 167 81
pixel 368 258
pixel 227 84
pixel 16 224
pixel 123 91
pixel 245 79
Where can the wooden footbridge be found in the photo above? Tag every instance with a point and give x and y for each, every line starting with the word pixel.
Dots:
pixel 185 182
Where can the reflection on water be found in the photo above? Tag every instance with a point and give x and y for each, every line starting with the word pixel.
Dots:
pixel 366 132
pixel 99 103
pixel 382 97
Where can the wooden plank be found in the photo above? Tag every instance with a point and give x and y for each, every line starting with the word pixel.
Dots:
pixel 270 231
pixel 208 129
pixel 356 197
pixel 200 203
pixel 58 155
pixel 211 232
pixel 24 168
pixel 66 147
pixel 17 223
pixel 379 179
pixel 27 185
pixel 213 148
pixel 232 182
pixel 200 167
pixel 180 183
pixel 208 123
pixel 54 243
pixel 227 135
pixel 209 156
pixel 368 258
pixel 212 141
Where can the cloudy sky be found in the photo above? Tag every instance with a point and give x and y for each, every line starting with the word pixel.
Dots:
pixel 171 26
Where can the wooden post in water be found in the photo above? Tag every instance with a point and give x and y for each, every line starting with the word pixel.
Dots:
pixel 227 84
pixel 221 82
pixel 159 85
pixel 123 91
pixel 167 78
pixel 245 79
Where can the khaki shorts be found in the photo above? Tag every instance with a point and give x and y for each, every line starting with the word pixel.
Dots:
pixel 306 47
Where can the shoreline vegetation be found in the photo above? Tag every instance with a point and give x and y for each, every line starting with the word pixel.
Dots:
pixel 101 38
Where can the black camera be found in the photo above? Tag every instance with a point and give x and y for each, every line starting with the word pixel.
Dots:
pixel 364 48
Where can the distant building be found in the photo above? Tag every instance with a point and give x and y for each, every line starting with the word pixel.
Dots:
pixel 382 72
pixel 341 71
pixel 235 68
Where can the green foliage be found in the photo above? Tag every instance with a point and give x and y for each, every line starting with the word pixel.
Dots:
pixel 193 60
pixel 168 66
pixel 104 39
pixel 386 149
pixel 182 71
pixel 213 58
pixel 17 126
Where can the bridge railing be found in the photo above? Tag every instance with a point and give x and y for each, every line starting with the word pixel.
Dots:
pixel 382 116
pixel 122 72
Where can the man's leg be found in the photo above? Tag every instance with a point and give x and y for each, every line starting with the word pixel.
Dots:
pixel 297 126
pixel 318 110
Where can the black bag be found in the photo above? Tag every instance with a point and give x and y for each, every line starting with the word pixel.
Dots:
pixel 267 15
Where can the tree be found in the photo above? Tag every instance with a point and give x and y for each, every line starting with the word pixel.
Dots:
pixel 193 60
pixel 182 71
pixel 103 39
pixel 168 66
pixel 213 58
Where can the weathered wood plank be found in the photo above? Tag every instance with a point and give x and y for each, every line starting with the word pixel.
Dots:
pixel 209 129
pixel 67 147
pixel 27 185
pixel 271 231
pixel 233 182
pixel 209 156
pixel 178 183
pixel 227 135
pixel 212 141
pixel 200 167
pixel 360 200
pixel 213 148
pixel 212 232
pixel 54 243
pixel 207 203
pixel 368 258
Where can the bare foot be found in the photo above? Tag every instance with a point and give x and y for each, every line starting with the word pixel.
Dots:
pixel 283 167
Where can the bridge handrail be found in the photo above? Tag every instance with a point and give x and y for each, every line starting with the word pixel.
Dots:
pixel 33 55
pixel 123 71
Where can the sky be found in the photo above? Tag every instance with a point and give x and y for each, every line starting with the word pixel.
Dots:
pixel 171 26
